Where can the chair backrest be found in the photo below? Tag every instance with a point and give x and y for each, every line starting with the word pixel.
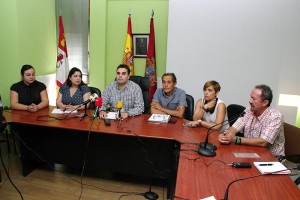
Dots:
pixel 292 138
pixel 1 111
pixel 234 110
pixel 144 84
pixel 189 110
pixel 98 92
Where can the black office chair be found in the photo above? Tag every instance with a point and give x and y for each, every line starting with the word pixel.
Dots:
pixel 98 92
pixel 144 84
pixel 232 111
pixel 189 110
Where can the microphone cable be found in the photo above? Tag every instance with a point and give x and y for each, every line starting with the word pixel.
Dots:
pixel 94 96
pixel 212 129
pixel 84 163
pixel 201 157
pixel 162 174
pixel 249 177
pixel 8 176
pixel 51 167
pixel 84 158
pixel 39 118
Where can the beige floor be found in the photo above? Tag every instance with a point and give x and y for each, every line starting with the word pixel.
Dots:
pixel 44 184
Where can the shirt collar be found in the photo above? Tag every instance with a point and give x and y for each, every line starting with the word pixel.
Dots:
pixel 164 94
pixel 263 115
pixel 117 85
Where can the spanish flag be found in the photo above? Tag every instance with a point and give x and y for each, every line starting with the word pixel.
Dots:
pixel 62 64
pixel 128 50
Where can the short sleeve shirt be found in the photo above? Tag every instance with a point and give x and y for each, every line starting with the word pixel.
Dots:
pixel 28 94
pixel 77 98
pixel 268 126
pixel 178 98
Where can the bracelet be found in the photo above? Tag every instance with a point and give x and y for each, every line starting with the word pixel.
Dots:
pixel 200 121
pixel 237 140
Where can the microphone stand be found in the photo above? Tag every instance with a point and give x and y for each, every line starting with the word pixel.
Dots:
pixel 249 177
pixel 150 195
pixel 119 117
pixel 208 149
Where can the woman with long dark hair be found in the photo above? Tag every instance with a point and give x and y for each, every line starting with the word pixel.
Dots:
pixel 73 92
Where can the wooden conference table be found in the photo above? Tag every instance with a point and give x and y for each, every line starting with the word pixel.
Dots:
pixel 137 147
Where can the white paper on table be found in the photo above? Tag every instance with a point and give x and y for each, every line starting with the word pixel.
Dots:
pixel 59 111
pixel 209 198
pixel 111 115
pixel 246 155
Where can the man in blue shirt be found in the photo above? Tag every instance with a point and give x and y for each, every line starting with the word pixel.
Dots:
pixel 169 100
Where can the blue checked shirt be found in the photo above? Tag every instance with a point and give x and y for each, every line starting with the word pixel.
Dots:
pixel 131 97
pixel 178 98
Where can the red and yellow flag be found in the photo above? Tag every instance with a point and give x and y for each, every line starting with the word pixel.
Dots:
pixel 62 64
pixel 128 50
pixel 151 61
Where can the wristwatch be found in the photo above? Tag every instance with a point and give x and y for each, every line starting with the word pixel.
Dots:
pixel 200 121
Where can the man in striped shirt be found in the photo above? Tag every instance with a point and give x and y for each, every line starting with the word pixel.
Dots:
pixel 262 124
pixel 125 91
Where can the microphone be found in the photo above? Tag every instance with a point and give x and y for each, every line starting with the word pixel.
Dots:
pixel 208 149
pixel 98 104
pixel 249 177
pixel 92 98
pixel 119 106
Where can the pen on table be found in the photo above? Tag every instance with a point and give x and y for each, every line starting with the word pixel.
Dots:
pixel 267 164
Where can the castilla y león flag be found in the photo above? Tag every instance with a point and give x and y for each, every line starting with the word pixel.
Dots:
pixel 151 61
pixel 62 65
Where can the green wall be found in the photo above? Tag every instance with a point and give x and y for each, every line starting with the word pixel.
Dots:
pixel 9 53
pixel 108 32
pixel 28 36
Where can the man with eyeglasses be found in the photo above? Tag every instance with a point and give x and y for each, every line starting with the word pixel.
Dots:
pixel 262 124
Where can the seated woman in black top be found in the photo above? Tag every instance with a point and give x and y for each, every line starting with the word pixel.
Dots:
pixel 28 94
